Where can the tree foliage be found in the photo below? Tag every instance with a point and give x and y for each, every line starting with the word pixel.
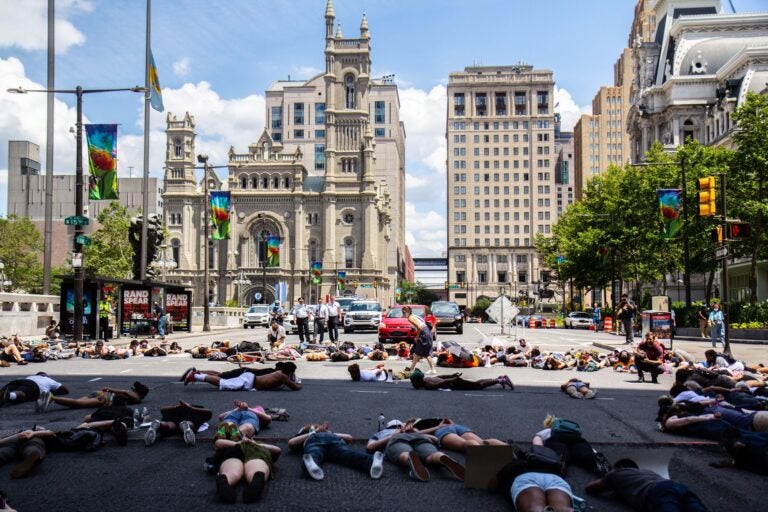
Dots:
pixel 416 293
pixel 110 253
pixel 19 252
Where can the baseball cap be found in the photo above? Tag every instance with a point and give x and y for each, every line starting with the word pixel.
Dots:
pixel 394 424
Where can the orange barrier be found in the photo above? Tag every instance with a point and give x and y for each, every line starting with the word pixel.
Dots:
pixel 608 324
pixel 552 323
pixel 532 323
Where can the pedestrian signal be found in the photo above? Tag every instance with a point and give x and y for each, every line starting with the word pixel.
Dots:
pixel 707 196
pixel 445 284
pixel 717 235
pixel 739 230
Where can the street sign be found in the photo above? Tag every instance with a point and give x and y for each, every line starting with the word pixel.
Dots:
pixel 363 285
pixel 82 240
pixel 454 286
pixel 76 220
pixel 721 252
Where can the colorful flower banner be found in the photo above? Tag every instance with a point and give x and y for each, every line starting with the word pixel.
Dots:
pixel 341 281
pixel 669 206
pixel 316 271
pixel 220 204
pixel 102 161
pixel 273 251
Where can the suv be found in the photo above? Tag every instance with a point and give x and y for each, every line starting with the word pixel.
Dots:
pixel 346 302
pixel 362 314
pixel 448 316
pixel 256 315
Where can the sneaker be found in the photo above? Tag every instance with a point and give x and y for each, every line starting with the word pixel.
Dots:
pixel 418 471
pixel 509 383
pixel 21 363
pixel 186 372
pixel 456 469
pixel 121 432
pixel 151 436
pixel 226 492
pixel 602 465
pixel 390 376
pixel 432 371
pixel 377 467
pixel 591 394
pixel 23 468
pixel 312 468
pixel 189 378
pixel 255 487
pixel 188 432
pixel 44 402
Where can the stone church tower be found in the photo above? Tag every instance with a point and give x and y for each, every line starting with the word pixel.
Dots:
pixel 326 176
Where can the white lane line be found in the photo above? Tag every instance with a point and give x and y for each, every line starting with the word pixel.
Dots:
pixel 95 379
pixel 601 398
pixel 493 395
pixel 361 391
pixel 548 381
pixel 126 371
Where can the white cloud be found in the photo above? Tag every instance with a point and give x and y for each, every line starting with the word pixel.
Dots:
pixel 19 17
pixel 569 111
pixel 181 67
pixel 423 114
pixel 425 232
pixel 304 72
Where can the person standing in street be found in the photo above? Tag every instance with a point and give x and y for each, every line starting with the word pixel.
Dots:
pixel 717 325
pixel 596 316
pixel 703 316
pixel 626 314
pixel 301 314
pixel 334 317
pixel 321 319
pixel 422 345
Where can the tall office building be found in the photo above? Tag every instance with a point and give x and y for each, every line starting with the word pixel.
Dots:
pixel 326 177
pixel 500 177
pixel 564 176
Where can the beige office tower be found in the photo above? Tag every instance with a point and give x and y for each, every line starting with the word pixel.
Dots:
pixel 501 188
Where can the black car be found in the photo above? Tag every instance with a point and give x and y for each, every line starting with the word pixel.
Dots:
pixel 448 316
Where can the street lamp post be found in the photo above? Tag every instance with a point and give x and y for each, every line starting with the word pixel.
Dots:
pixel 79 271
pixel 4 281
pixel 203 159
pixel 262 253
pixel 241 281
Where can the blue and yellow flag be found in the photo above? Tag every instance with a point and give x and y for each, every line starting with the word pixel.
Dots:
pixel 155 92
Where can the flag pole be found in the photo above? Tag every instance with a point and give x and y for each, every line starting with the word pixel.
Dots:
pixel 145 184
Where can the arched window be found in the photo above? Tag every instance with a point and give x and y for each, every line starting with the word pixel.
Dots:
pixel 254 182
pixel 688 131
pixel 243 182
pixel 349 253
pixel 349 91
pixel 265 183
pixel 312 251
pixel 287 182
pixel 176 251
pixel 276 183
pixel 260 234
pixel 178 151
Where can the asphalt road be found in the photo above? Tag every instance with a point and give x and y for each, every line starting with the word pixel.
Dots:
pixel 170 476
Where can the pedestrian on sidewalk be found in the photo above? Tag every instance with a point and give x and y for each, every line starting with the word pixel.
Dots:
pixel 717 325
pixel 703 316
pixel 321 318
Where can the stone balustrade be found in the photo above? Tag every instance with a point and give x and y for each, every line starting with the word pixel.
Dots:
pixel 27 314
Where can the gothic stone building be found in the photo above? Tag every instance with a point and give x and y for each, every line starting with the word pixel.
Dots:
pixel 326 176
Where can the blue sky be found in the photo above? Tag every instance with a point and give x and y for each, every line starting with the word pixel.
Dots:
pixel 216 58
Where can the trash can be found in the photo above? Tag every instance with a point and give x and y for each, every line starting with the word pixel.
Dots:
pixel 660 323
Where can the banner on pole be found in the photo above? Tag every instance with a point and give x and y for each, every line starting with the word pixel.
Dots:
pixel 102 161
pixel 669 207
pixel 273 251
pixel 316 271
pixel 341 281
pixel 220 203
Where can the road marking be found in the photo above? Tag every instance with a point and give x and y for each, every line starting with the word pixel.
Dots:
pixel 484 394
pixel 95 379
pixel 601 398
pixel 126 371
pixel 361 391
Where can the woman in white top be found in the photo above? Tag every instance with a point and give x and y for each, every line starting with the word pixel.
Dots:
pixel 422 347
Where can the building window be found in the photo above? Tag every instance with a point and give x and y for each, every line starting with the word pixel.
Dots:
pixel 178 150
pixel 349 91
pixel 542 100
pixel 461 276
pixel 501 103
pixel 277 118
pixel 319 157
pixel 349 253
pixel 243 182
pixel 380 132
pixel 482 277
pixel 458 104
pixel 298 113
pixel 348 218
pixel 320 113
pixel 522 276
pixel 298 134
pixel 277 136
pixel 379 117
pixel 319 134
pixel 481 103
pixel 176 250
pixel 519 104
pixel 312 250
pixel 501 277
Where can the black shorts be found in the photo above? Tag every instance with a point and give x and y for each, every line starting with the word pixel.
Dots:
pixel 29 387
pixel 178 413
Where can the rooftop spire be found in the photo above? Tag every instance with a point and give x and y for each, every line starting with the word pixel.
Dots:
pixel 364 24
pixel 329 12
pixel 338 32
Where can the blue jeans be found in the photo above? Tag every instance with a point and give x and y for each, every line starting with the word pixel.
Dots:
pixel 717 332
pixel 671 496
pixel 327 445
pixel 629 335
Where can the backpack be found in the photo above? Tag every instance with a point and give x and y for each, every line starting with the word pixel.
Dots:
pixel 249 346
pixel 565 429
pixel 727 358
pixel 83 440
pixel 545 460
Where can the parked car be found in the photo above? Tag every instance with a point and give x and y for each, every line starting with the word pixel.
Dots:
pixel 346 302
pixel 257 314
pixel 395 327
pixel 289 322
pixel 448 316
pixel 362 314
pixel 578 319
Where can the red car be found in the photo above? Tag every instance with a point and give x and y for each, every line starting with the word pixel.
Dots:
pixel 396 328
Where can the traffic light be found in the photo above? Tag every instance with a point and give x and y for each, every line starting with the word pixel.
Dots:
pixel 739 230
pixel 707 196
pixel 462 285
pixel 355 283
pixel 375 282
pixel 717 235
pixel 445 284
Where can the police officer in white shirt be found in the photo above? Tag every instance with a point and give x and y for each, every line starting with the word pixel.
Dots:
pixel 301 314
pixel 334 317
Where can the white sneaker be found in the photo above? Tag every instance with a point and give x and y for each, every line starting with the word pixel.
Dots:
pixel 377 468
pixel 188 433
pixel 389 376
pixel 432 371
pixel 312 468
pixel 151 435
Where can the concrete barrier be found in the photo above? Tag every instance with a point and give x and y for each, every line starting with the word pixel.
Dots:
pixel 27 314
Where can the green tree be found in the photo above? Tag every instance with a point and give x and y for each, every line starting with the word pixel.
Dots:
pixel 416 293
pixel 747 188
pixel 19 253
pixel 110 253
